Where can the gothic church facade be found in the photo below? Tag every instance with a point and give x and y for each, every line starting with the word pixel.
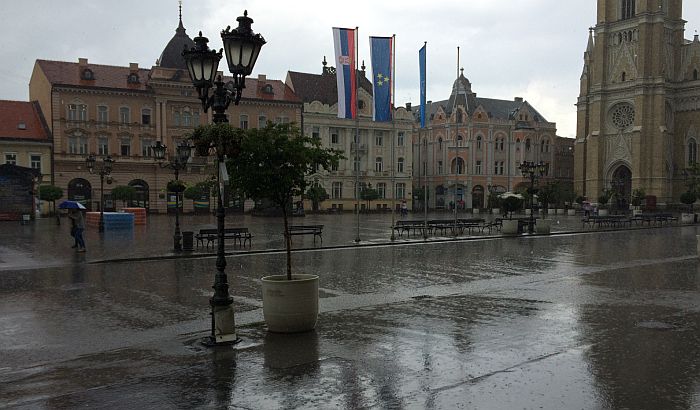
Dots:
pixel 639 106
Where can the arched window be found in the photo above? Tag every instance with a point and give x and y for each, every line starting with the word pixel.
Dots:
pixel 399 165
pixel 692 151
pixel 478 142
pixel 517 144
pixel 527 145
pixel 439 144
pixel 695 74
pixel 624 76
pixel 457 166
pixel 459 140
pixel 544 146
pixel 378 164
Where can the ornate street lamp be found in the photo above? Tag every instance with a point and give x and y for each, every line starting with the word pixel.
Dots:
pixel 104 170
pixel 179 162
pixel 533 170
pixel 242 48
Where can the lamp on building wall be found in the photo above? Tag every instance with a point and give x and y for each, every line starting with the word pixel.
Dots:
pixel 242 48
pixel 104 169
pixel 182 156
pixel 534 171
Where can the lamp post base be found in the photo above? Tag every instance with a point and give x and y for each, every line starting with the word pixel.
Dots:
pixel 177 242
pixel 224 329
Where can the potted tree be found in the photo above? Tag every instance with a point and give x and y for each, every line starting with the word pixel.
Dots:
pixel 316 194
pixel 273 164
pixel 52 194
pixel 123 193
pixel 494 203
pixel 688 198
pixel 511 202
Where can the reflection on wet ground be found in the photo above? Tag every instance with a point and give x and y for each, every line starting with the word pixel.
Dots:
pixel 601 320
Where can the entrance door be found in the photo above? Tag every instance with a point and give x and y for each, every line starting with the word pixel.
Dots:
pixel 621 185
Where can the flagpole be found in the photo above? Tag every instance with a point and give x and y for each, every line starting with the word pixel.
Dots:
pixel 393 133
pixel 425 188
pixel 454 193
pixel 357 136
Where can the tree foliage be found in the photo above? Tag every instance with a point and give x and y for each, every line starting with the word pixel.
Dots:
pixel 316 194
pixel 273 162
pixel 123 193
pixel 50 193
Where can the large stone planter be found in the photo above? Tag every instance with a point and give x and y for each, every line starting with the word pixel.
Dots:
pixel 571 212
pixel 602 212
pixel 560 211
pixel 290 306
pixel 687 219
pixel 496 211
pixel 528 211
pixel 509 227
pixel 636 212
pixel 475 211
pixel 543 226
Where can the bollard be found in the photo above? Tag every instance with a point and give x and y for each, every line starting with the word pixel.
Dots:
pixel 187 241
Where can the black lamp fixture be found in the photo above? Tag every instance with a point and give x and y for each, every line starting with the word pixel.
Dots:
pixel 242 48
pixel 533 170
pixel 179 162
pixel 104 170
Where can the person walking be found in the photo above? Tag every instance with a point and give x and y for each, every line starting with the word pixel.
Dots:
pixel 72 233
pixel 77 217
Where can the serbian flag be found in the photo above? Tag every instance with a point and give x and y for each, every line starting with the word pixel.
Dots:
pixel 345 50
pixel 421 64
pixel 381 51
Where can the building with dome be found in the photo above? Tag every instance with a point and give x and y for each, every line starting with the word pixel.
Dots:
pixel 638 121
pixel 471 146
pixel 121 111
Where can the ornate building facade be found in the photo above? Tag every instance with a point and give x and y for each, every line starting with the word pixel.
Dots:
pixel 383 151
pixel 471 147
pixel 639 105
pixel 122 111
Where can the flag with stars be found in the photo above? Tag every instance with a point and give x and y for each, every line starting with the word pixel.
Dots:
pixel 382 53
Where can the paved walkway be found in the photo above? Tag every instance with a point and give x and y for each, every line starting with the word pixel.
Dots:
pixel 587 321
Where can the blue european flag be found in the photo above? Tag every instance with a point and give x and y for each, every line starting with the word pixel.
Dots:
pixel 381 53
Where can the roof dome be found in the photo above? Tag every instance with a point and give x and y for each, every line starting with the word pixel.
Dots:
pixel 462 85
pixel 171 57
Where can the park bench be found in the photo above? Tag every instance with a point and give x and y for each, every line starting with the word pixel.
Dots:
pixel 410 226
pixel 315 230
pixel 240 235
pixel 654 218
pixel 608 221
pixel 496 225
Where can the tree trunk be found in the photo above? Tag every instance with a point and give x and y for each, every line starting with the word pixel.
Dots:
pixel 287 242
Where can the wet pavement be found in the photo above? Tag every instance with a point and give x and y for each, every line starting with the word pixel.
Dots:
pixel 601 319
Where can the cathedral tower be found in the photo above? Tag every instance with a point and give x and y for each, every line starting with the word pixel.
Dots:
pixel 635 66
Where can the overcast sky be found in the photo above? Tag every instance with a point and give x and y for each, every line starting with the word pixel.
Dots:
pixel 509 48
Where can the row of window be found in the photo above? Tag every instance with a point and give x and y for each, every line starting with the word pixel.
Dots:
pixel 457 167
pixel 79 112
pixel 378 137
pixel 400 190
pixel 79 145
pixel 244 123
pixel 34 160
pixel 500 144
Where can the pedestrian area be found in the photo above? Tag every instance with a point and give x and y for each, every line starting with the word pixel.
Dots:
pixel 584 318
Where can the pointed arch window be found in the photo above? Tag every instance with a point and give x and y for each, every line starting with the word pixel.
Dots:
pixel 478 142
pixel 627 9
pixel 692 152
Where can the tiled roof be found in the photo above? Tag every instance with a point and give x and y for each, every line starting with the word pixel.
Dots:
pixel 255 89
pixel 321 87
pixel 105 76
pixel 497 109
pixel 15 113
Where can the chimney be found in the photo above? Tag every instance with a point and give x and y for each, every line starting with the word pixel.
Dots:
pixel 518 99
pixel 82 62
pixel 134 67
pixel 262 78
pixel 408 106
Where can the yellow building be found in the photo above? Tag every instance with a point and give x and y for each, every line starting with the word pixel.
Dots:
pixel 25 139
pixel 639 106
pixel 121 111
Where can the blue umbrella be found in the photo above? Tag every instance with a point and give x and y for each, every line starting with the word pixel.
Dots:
pixel 71 205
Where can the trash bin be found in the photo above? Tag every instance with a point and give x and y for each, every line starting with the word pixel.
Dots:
pixel 187 241
pixel 25 219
